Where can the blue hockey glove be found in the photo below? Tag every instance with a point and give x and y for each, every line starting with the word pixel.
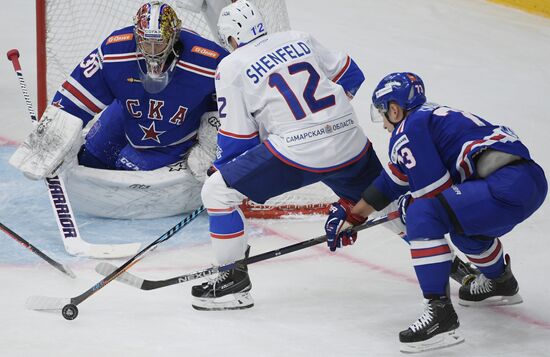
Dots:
pixel 339 218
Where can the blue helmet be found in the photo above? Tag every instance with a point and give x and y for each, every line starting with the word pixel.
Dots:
pixel 404 88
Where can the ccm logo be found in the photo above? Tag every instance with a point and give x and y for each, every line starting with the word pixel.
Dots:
pixel 139 187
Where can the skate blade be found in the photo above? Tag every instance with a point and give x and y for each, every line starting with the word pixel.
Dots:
pixel 237 301
pixel 493 301
pixel 442 340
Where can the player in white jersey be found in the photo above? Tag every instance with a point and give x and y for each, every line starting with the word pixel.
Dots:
pixel 286 122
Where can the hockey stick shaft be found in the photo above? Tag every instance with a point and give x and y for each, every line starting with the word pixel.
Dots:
pixel 136 258
pixel 130 279
pixel 68 229
pixel 62 268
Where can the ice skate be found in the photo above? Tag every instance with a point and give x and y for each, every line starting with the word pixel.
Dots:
pixel 229 291
pixel 463 272
pixel 491 292
pixel 436 328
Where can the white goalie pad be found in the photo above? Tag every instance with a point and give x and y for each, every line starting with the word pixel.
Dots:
pixel 168 191
pixel 204 152
pixel 54 140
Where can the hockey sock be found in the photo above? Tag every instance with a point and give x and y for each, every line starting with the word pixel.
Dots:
pixel 432 261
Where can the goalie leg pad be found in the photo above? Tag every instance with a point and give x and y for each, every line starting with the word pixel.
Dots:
pixel 51 146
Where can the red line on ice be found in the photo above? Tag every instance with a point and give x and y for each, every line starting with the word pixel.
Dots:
pixel 7 142
pixel 404 277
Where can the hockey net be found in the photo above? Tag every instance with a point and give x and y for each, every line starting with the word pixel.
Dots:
pixel 68 30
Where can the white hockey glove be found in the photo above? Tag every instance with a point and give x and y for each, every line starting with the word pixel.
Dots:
pixel 51 147
pixel 203 153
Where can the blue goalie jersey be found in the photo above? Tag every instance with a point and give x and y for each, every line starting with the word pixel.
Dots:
pixel 163 119
pixel 435 147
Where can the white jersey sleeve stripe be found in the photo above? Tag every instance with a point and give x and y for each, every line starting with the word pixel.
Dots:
pixel 75 94
pixel 122 57
pixel 186 66
pixel 65 92
pixel 443 182
pixel 86 93
pixel 396 176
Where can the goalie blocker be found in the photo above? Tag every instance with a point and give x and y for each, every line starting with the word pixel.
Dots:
pixel 57 136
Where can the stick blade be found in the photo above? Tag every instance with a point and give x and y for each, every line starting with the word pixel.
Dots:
pixel 104 251
pixel 105 269
pixel 66 270
pixel 40 303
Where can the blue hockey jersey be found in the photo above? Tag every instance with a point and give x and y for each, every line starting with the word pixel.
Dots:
pixel 434 147
pixel 167 118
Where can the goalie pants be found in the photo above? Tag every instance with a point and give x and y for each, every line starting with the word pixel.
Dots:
pixel 259 175
pixel 475 213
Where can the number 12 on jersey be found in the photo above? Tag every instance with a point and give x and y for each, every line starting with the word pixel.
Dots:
pixel 276 80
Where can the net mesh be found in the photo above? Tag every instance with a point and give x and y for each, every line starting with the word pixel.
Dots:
pixel 74 28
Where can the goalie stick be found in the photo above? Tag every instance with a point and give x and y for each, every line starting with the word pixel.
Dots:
pixel 62 268
pixel 68 305
pixel 66 223
pixel 143 284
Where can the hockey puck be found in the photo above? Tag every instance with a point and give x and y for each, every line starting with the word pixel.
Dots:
pixel 70 312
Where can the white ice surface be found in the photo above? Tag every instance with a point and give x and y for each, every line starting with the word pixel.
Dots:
pixel 473 55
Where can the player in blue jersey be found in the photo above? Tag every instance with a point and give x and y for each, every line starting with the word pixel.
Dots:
pixel 153 81
pixel 286 122
pixel 467 177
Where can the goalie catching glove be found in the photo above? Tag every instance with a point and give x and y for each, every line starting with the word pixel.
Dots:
pixel 339 219
pixel 51 146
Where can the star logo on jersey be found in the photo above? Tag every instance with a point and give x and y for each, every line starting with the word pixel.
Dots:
pixel 151 133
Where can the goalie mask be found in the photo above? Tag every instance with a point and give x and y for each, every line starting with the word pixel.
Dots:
pixel 242 21
pixel 156 29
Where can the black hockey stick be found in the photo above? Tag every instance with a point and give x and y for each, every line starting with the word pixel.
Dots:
pixel 143 284
pixel 66 223
pixel 62 268
pixel 68 305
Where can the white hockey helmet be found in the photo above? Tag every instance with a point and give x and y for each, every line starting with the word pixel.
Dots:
pixel 242 21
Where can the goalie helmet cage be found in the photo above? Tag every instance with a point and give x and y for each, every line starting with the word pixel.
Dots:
pixel 68 30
